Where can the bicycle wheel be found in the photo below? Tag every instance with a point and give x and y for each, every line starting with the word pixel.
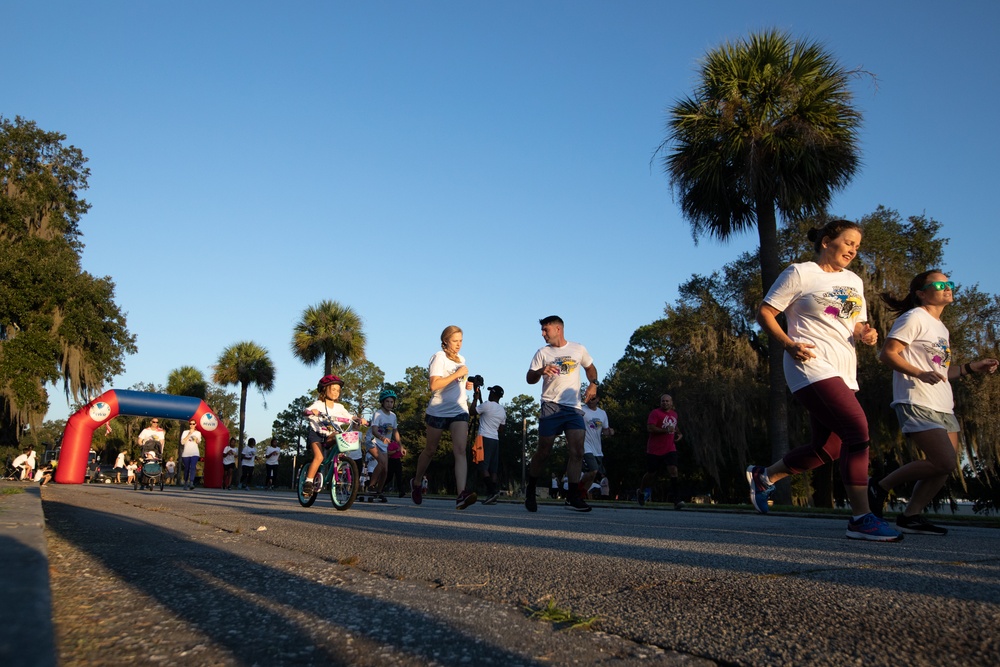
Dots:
pixel 344 485
pixel 304 500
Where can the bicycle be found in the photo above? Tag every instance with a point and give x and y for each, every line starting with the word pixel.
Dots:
pixel 338 472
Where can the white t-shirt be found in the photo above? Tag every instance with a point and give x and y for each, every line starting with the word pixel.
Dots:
pixel 228 455
pixel 320 423
pixel 491 417
pixel 19 460
pixel 382 426
pixel 120 461
pixel 928 347
pixel 451 400
pixel 271 455
pixel 595 421
pixel 822 308
pixel 564 388
pixel 156 433
pixel 190 444
pixel 247 457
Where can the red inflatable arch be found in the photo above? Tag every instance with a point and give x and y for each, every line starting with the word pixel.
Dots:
pixel 72 468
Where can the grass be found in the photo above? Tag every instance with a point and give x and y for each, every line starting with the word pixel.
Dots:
pixel 10 490
pixel 563 619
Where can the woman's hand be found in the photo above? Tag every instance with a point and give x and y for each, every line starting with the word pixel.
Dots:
pixel 800 351
pixel 865 333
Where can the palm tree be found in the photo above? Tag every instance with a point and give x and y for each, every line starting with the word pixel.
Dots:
pixel 245 363
pixel 331 332
pixel 187 381
pixel 770 128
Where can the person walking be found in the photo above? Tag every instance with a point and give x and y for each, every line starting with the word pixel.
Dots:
pixel 190 453
pixel 247 461
pixel 492 419
pixel 119 467
pixel 824 306
pixel 448 409
pixel 229 453
pixel 661 452
pixel 272 456
pixel 598 428
pixel 918 350
pixel 557 365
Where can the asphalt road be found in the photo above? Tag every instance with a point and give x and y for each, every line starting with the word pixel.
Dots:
pixel 209 577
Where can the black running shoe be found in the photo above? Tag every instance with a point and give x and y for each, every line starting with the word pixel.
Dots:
pixel 876 497
pixel 918 525
pixel 577 504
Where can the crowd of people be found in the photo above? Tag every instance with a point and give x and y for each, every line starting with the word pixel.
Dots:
pixel 826 315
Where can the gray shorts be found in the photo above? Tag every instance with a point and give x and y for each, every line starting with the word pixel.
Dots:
pixel 916 418
pixel 592 463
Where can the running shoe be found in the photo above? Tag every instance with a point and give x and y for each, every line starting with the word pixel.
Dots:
pixel 918 525
pixel 492 499
pixel 530 501
pixel 870 527
pixel 382 499
pixel 640 496
pixel 759 492
pixel 416 493
pixel 465 498
pixel 307 488
pixel 876 497
pixel 577 504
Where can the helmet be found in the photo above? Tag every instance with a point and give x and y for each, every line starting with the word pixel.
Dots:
pixel 327 380
pixel 386 393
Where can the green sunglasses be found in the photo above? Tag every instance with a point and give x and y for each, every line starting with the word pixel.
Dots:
pixel 940 286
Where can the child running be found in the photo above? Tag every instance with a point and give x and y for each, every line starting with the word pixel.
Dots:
pixel 381 434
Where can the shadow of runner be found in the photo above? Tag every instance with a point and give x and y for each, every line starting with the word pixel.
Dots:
pixel 258 613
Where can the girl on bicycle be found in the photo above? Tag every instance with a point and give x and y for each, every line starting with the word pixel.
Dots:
pixel 322 416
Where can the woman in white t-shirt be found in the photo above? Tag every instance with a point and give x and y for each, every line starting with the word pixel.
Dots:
pixel 918 350
pixel 448 409
pixel 824 305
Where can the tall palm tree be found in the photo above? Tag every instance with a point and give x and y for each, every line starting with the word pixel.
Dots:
pixel 331 332
pixel 245 363
pixel 770 128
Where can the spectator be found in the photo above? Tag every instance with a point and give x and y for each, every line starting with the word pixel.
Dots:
pixel 19 464
pixel 29 465
pixel 171 467
pixel 119 467
pixel 492 418
pixel 131 468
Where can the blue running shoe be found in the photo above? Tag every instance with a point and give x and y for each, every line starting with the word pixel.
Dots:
pixel 759 492
pixel 870 527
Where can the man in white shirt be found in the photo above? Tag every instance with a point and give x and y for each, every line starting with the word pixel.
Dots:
pixel 271 456
pixel 596 421
pixel 492 418
pixel 558 365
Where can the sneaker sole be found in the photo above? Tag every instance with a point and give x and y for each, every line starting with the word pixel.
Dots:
pixel 469 500
pixel 578 509
pixel 913 531
pixel 851 535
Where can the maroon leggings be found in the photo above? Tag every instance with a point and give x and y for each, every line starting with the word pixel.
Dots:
pixel 839 431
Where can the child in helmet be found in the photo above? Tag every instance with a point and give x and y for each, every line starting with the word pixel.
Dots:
pixel 381 434
pixel 322 415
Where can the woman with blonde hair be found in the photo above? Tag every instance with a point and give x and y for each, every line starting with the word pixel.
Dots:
pixel 448 409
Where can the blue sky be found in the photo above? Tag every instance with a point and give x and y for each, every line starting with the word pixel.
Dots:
pixel 435 163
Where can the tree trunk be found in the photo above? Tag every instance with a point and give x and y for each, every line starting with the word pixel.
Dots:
pixel 243 420
pixel 777 413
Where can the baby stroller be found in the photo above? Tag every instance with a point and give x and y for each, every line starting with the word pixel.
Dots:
pixel 150 474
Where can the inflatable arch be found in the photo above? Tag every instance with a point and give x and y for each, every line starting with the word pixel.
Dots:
pixel 72 468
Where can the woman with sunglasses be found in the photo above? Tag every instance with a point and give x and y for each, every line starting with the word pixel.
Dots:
pixel 918 351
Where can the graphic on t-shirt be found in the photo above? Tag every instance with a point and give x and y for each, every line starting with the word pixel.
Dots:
pixel 595 424
pixel 841 302
pixel 940 353
pixel 668 422
pixel 566 365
